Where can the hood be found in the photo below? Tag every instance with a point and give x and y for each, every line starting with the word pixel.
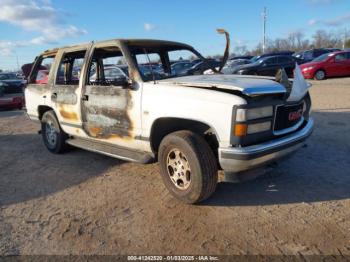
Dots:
pixel 247 85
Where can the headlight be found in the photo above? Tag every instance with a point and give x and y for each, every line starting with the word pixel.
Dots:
pixel 240 72
pixel 258 127
pixel 308 68
pixel 253 113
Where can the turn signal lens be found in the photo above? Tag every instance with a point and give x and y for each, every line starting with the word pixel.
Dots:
pixel 240 129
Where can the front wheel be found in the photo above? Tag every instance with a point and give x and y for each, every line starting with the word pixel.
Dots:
pixel 320 75
pixel 188 166
pixel 53 136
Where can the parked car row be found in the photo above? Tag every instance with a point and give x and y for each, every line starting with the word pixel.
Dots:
pixel 316 63
pixel 11 91
pixel 328 65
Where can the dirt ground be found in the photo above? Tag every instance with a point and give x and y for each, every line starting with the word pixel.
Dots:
pixel 85 203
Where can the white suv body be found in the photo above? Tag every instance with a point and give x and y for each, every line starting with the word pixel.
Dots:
pixel 192 125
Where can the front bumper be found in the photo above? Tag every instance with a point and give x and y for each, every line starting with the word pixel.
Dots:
pixel 237 159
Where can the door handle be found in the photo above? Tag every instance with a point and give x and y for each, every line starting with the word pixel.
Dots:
pixel 53 95
pixel 85 98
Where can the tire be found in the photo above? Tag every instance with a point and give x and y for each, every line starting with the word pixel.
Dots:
pixel 196 177
pixel 320 75
pixel 53 136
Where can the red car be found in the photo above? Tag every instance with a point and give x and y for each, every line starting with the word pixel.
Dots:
pixel 328 65
pixel 11 95
pixel 42 77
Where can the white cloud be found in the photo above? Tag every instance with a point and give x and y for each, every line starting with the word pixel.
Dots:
pixel 149 27
pixel 338 21
pixel 37 16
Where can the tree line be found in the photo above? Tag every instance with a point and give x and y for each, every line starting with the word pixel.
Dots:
pixel 296 41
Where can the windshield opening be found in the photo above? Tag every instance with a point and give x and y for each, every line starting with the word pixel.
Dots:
pixel 166 61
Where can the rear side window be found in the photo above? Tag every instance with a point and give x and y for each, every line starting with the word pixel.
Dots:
pixel 319 52
pixel 41 73
pixel 69 69
pixel 308 55
pixel 271 61
pixel 284 59
pixel 340 57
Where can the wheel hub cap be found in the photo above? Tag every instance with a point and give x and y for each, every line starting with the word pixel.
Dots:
pixel 179 169
pixel 51 134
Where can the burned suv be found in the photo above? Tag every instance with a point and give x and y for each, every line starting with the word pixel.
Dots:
pixel 192 125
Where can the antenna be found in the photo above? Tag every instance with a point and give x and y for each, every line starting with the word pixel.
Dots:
pixel 264 15
pixel 149 63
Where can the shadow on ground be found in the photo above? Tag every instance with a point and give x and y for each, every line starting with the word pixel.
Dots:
pixel 29 170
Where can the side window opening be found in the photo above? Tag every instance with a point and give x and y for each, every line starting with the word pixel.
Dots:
pixel 340 57
pixel 108 67
pixel 148 63
pixel 70 68
pixel 41 74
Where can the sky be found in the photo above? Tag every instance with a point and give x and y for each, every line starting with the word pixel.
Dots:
pixel 28 27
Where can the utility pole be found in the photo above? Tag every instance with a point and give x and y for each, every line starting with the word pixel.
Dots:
pixel 345 38
pixel 264 15
pixel 17 62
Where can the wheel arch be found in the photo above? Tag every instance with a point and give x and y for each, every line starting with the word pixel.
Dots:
pixel 42 109
pixel 166 125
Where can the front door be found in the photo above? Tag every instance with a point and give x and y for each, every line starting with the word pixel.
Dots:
pixel 110 104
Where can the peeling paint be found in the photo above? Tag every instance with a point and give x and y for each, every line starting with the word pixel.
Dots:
pixel 106 113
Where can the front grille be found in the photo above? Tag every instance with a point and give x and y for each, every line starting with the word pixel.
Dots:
pixel 283 118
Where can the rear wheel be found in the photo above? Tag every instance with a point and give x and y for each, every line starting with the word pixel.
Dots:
pixel 188 166
pixel 53 136
pixel 320 75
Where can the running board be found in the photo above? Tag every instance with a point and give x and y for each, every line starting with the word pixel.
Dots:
pixel 111 150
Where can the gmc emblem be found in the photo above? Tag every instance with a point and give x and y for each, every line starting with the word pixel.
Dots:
pixel 295 115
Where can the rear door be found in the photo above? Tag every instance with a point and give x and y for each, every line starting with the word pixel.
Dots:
pixel 340 65
pixel 65 91
pixel 40 79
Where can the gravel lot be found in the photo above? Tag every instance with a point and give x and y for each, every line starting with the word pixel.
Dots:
pixel 85 203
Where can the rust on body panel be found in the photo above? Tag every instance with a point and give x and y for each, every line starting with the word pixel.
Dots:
pixel 67 113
